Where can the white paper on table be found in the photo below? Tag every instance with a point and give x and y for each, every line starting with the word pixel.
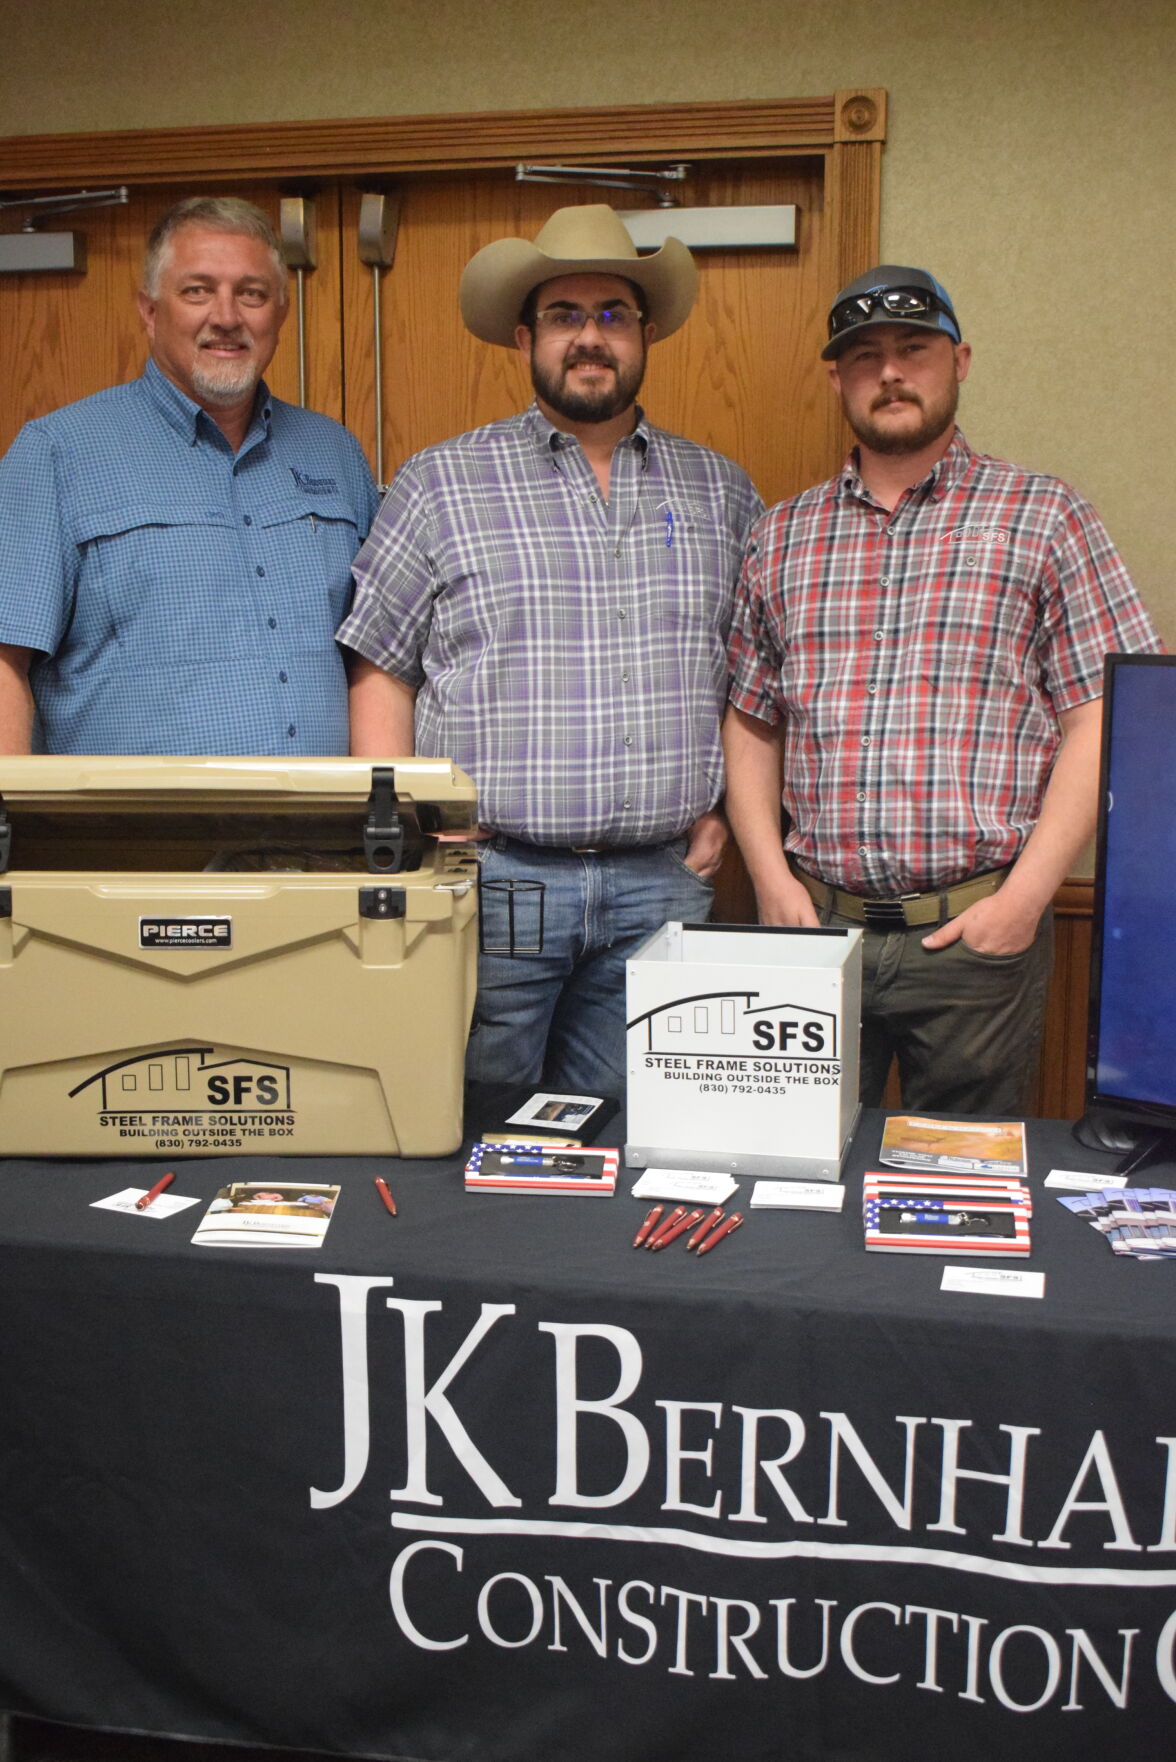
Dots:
pixel 164 1206
pixel 715 1189
pixel 799 1195
pixel 993 1281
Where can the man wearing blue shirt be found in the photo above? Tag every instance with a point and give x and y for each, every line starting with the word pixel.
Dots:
pixel 175 554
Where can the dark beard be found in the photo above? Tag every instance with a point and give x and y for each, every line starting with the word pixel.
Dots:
pixel 937 419
pixel 599 406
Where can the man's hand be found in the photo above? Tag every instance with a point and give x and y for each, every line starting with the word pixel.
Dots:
pixel 996 925
pixel 784 901
pixel 707 839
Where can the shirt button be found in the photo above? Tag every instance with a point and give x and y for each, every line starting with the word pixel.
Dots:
pixel 879 635
pixel 628 740
pixel 884 581
pixel 284 678
pixel 861 795
pixel 626 803
pixel 591 498
pixel 260 570
pixel 970 561
pixel 249 519
pixel 272 622
pixel 871 688
pixel 291 731
pixel 621 612
pixel 624 679
pixel 862 849
pixel 865 740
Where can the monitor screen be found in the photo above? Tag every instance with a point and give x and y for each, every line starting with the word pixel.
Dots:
pixel 1131 1064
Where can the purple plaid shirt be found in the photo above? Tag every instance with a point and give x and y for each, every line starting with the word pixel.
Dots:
pixel 569 653
pixel 920 659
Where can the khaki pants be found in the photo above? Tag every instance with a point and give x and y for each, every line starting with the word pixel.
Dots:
pixel 965 1027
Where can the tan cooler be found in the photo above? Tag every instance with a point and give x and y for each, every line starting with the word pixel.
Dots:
pixel 234 955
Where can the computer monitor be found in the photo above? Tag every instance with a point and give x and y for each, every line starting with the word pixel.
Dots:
pixel 1131 1047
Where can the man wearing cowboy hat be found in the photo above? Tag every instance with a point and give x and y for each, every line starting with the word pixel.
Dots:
pixel 923 639
pixel 545 601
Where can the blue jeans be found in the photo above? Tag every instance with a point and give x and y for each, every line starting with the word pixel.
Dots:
pixel 557 1017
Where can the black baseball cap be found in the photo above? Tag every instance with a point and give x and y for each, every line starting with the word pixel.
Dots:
pixel 890 294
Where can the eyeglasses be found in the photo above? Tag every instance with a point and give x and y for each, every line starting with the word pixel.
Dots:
pixel 897 303
pixel 570 320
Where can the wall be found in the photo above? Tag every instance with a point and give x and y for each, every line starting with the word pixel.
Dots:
pixel 1031 158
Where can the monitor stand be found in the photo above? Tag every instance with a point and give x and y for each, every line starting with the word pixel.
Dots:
pixel 1141 1145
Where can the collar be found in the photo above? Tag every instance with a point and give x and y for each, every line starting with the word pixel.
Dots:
pixel 943 476
pixel 551 441
pixel 186 416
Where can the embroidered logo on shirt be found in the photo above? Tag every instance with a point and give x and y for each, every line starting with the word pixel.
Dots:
pixel 978 535
pixel 314 485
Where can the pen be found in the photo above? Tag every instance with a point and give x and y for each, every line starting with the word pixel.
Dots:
pixel 652 1217
pixel 669 528
pixel 705 1229
pixel 665 1237
pixel 724 1229
pixel 383 1190
pixel 544 1162
pixel 668 1223
pixel 160 1186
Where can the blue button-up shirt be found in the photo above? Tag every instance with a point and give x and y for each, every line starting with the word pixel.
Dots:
pixel 182 598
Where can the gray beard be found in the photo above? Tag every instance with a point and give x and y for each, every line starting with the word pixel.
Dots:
pixel 227 383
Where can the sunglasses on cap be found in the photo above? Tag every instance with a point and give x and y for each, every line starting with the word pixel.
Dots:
pixel 897 303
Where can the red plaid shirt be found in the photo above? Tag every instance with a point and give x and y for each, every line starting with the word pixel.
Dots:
pixel 920 659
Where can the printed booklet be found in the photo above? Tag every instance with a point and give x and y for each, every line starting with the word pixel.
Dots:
pixel 978 1147
pixel 267 1214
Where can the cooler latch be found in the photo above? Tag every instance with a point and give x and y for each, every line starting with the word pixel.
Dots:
pixel 382 902
pixel 383 835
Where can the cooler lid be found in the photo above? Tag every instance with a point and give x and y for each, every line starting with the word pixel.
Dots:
pixel 84 812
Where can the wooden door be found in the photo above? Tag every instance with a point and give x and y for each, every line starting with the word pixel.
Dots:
pixel 742 376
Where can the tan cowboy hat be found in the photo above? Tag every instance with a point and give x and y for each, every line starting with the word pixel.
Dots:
pixel 591 240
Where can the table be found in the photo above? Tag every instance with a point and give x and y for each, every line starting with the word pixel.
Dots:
pixel 480 1482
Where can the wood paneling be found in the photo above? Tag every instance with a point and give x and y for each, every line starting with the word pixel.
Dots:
pixel 392 144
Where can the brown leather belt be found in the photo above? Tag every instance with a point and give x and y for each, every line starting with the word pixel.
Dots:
pixel 906 910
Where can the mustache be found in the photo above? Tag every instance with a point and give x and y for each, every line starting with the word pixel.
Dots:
pixel 235 338
pixel 597 356
pixel 896 398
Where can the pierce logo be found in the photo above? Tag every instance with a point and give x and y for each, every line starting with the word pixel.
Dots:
pixel 185 932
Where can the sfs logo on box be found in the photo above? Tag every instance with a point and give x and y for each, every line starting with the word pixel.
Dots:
pixel 185 932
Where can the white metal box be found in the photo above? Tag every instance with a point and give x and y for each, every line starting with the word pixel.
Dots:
pixel 743 1049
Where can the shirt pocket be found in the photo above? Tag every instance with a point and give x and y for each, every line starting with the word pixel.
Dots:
pixel 309 542
pixel 156 580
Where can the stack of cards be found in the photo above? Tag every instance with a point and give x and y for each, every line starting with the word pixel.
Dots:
pixel 550 1168
pixel 1139 1221
pixel 946 1214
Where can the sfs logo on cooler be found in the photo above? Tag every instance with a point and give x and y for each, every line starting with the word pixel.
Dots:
pixel 236 1090
pixel 185 932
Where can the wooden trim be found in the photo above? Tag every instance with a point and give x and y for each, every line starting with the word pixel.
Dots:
pixel 387 145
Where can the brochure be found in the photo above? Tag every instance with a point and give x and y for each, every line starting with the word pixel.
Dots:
pixel 268 1214
pixel 978 1147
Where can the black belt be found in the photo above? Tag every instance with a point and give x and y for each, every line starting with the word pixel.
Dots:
pixel 906 910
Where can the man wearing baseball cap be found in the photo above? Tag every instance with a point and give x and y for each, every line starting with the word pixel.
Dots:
pixel 920 642
pixel 545 601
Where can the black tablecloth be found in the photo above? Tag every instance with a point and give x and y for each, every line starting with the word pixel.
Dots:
pixel 481 1482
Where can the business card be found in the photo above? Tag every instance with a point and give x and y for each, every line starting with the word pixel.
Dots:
pixel 993 1281
pixel 799 1195
pixel 1076 1182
